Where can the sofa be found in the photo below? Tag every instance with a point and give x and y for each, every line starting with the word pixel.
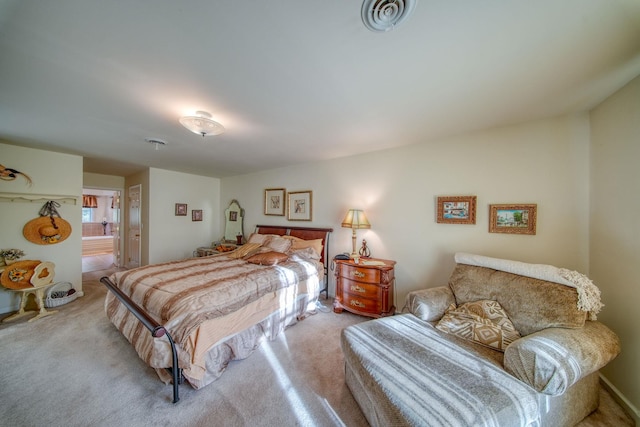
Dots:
pixel 505 343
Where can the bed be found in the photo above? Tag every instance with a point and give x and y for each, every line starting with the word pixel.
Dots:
pixel 188 319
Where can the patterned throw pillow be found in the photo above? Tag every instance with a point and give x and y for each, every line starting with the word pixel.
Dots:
pixel 484 322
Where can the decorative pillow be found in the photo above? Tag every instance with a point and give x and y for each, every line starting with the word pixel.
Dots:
pixel 268 258
pixel 298 243
pixel 277 243
pixel 257 238
pixel 483 322
pixel 244 250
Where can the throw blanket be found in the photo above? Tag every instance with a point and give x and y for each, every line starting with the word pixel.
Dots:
pixel 414 375
pixel 588 292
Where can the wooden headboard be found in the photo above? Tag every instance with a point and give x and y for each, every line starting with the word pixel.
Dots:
pixel 305 233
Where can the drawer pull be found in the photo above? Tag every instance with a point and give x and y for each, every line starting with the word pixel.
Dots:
pixel 356 288
pixel 358 274
pixel 356 303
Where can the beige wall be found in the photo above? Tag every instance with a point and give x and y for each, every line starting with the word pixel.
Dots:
pixel 614 230
pixel 543 162
pixel 52 174
pixel 175 237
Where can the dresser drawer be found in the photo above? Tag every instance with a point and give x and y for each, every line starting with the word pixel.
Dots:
pixel 359 289
pixel 354 302
pixel 367 275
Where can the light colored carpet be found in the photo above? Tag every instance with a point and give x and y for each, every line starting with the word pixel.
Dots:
pixel 75 369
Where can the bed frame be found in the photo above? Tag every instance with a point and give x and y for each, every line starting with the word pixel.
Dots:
pixel 158 330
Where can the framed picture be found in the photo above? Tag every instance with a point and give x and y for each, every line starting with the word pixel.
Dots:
pixel 456 210
pixel 274 201
pixel 300 206
pixel 513 219
pixel 181 209
pixel 196 215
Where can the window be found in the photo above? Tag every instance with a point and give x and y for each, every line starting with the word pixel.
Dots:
pixel 87 215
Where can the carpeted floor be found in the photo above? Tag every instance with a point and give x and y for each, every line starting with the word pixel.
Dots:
pixel 75 369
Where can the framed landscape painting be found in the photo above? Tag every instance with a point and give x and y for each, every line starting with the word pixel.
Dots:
pixel 513 219
pixel 456 210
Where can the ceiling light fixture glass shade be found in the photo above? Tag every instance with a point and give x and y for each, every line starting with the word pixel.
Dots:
pixel 202 124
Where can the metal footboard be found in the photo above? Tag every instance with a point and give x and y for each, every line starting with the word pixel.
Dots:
pixel 156 330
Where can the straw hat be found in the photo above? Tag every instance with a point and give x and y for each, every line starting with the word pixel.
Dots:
pixel 46 230
pixel 18 274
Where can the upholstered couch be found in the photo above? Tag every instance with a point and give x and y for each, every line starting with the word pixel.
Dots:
pixel 503 344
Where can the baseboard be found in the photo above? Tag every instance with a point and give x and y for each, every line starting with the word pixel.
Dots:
pixel 628 407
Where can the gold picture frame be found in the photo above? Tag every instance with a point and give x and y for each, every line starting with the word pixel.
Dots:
pixel 513 218
pixel 456 210
pixel 300 206
pixel 274 201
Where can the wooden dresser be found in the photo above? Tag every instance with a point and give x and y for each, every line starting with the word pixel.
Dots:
pixel 365 289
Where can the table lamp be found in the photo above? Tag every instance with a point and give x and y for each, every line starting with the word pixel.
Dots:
pixel 355 219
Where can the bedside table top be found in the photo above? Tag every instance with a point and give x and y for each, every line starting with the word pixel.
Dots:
pixel 369 262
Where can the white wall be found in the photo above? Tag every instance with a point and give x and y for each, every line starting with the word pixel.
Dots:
pixel 543 162
pixel 52 174
pixel 176 237
pixel 615 231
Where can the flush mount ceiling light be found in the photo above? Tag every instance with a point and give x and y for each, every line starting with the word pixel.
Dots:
pixel 156 142
pixel 202 124
pixel 385 15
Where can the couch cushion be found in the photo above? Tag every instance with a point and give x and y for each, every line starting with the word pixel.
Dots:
pixel 531 304
pixel 484 322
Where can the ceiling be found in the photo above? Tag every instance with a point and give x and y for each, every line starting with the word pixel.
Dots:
pixel 294 81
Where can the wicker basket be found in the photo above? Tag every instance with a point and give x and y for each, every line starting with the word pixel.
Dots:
pixel 58 295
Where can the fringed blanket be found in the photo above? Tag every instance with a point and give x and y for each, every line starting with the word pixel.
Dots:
pixel 413 375
pixel 588 292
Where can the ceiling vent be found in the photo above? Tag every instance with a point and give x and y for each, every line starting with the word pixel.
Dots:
pixel 385 15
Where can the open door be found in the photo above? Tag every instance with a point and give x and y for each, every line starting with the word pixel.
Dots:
pixel 135 194
pixel 115 205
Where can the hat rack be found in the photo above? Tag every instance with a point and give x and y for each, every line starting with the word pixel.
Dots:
pixel 38 198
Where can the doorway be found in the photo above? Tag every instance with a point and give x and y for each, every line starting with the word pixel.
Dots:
pixel 100 229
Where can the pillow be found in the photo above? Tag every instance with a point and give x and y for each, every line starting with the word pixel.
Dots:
pixel 268 258
pixel 483 322
pixel 298 243
pixel 244 250
pixel 257 238
pixel 277 243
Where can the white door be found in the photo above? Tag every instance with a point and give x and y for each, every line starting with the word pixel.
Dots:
pixel 135 202
pixel 115 229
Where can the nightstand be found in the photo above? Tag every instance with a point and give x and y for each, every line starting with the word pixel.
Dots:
pixel 366 288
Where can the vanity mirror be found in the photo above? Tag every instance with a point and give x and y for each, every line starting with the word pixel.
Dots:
pixel 234 218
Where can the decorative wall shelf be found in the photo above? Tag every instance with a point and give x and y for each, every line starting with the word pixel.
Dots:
pixel 38 198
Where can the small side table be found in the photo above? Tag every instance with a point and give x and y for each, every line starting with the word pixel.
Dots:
pixel 24 295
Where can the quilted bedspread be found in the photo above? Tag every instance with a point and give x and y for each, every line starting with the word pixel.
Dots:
pixel 412 374
pixel 188 295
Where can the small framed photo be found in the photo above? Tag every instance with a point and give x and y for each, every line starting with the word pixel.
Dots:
pixel 274 201
pixel 513 219
pixel 181 209
pixel 456 210
pixel 196 215
pixel 299 206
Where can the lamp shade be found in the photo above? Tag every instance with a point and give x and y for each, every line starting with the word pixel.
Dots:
pixel 202 124
pixel 355 218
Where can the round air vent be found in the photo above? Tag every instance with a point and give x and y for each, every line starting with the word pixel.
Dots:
pixel 385 15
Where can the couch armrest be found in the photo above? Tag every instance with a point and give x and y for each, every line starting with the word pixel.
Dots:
pixel 553 359
pixel 429 304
